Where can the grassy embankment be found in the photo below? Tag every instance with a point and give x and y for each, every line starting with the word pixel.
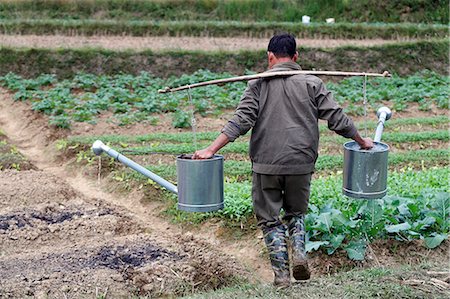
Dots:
pixel 222 29
pixel 402 58
pixel 416 11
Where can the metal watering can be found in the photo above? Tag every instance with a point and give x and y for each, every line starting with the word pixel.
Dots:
pixel 365 171
pixel 200 182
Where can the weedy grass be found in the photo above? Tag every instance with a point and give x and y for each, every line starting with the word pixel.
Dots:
pixel 188 137
pixel 248 10
pixel 242 147
pixel 382 282
pixel 326 164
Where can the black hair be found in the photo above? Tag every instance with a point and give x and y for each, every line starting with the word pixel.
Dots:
pixel 282 45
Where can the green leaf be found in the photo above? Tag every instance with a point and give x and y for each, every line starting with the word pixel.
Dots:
pixel 442 205
pixel 435 241
pixel 397 227
pixel 335 242
pixel 314 245
pixel 424 223
pixel 403 209
pixel 325 218
pixel 374 212
pixel 356 250
pixel 414 208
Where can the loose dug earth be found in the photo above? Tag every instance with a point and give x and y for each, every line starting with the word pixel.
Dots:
pixel 170 43
pixel 55 243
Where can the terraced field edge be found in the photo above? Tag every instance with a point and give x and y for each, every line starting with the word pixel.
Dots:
pixel 222 29
pixel 402 58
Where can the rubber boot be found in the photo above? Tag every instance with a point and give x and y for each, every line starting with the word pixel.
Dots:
pixel 275 239
pixel 300 269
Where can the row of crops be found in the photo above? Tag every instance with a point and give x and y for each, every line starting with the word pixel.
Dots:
pixel 417 205
pixel 133 99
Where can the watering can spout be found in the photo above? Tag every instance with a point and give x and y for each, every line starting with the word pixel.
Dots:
pixel 98 147
pixel 383 114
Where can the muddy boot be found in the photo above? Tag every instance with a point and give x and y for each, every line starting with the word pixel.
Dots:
pixel 275 239
pixel 297 232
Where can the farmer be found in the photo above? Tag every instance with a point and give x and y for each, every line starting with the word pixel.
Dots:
pixel 283 113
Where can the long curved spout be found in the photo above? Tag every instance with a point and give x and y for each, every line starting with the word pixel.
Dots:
pixel 99 147
pixel 384 113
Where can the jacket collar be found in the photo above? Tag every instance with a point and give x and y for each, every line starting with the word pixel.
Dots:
pixel 285 66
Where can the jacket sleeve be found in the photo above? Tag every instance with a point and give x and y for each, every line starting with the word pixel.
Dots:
pixel 246 114
pixel 330 111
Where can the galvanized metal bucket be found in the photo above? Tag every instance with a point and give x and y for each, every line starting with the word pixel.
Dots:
pixel 365 171
pixel 200 184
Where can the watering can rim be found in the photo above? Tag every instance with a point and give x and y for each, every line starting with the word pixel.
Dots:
pixel 214 158
pixel 386 149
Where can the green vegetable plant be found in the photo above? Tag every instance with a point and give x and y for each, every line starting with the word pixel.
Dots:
pixel 133 98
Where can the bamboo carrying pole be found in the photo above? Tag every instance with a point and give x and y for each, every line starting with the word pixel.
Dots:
pixel 272 74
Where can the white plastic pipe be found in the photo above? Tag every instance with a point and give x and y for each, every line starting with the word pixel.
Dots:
pixel 384 113
pixel 99 147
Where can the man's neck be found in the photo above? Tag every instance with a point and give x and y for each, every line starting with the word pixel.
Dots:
pixel 281 60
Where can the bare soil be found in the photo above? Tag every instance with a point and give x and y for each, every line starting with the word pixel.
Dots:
pixel 62 235
pixel 170 43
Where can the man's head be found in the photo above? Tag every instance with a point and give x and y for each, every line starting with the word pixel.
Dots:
pixel 282 48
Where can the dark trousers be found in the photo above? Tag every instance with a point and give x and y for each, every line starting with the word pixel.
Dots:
pixel 271 193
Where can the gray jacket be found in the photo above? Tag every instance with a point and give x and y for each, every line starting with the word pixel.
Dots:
pixel 284 114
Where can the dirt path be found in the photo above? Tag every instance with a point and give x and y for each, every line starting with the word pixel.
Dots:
pixel 169 43
pixel 59 216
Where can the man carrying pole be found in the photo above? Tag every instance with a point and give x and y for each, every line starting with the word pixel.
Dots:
pixel 283 113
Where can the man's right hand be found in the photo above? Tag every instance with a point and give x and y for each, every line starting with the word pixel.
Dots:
pixel 366 143
pixel 203 154
pixel 208 152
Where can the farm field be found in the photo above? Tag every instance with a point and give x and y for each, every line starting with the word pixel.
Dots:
pixel 418 138
pixel 74 225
